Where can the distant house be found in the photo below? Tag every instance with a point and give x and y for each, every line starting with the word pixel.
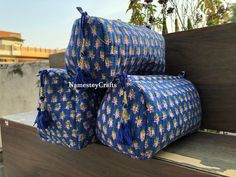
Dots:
pixel 10 38
pixel 12 49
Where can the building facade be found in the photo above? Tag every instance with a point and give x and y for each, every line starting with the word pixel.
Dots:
pixel 12 49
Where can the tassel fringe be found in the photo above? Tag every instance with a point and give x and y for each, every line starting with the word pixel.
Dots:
pixel 125 134
pixel 43 119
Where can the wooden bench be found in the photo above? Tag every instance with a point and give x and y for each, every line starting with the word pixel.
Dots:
pixel 208 56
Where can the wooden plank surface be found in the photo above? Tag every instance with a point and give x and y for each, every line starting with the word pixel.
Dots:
pixel 207 151
pixel 25 155
pixel 208 56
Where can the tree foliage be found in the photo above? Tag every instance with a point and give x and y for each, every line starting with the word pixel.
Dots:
pixel 178 15
pixel 233 13
pixel 215 10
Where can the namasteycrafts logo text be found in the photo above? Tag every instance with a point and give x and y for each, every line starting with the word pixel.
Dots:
pixel 90 85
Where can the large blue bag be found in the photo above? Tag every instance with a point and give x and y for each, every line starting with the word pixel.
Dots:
pixel 102 48
pixel 66 115
pixel 143 114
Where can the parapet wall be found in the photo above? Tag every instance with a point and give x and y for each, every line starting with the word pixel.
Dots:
pixel 19 86
pixel 26 51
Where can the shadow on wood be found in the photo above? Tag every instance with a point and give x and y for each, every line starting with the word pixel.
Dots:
pixel 25 155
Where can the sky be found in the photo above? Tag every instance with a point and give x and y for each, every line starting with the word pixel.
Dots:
pixel 48 23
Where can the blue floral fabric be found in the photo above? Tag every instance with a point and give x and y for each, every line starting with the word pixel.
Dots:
pixel 71 112
pixel 143 114
pixel 104 48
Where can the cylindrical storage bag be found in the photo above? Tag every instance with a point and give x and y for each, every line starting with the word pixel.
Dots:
pixel 66 115
pixel 143 114
pixel 104 47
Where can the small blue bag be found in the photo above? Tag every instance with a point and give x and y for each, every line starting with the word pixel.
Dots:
pixel 66 115
pixel 102 48
pixel 143 114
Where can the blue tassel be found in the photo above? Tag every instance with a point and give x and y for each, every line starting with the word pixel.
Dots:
pixel 124 134
pixel 42 75
pixel 120 138
pixel 43 119
pixel 82 77
pixel 127 134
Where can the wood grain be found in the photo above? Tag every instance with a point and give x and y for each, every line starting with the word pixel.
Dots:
pixel 207 151
pixel 208 56
pixel 25 155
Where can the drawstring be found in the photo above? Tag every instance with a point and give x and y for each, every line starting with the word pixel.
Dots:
pixel 43 118
pixel 182 74
pixel 82 77
pixel 83 19
pixel 42 75
pixel 124 133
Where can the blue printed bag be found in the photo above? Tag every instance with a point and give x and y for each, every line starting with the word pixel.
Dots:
pixel 102 48
pixel 143 114
pixel 66 115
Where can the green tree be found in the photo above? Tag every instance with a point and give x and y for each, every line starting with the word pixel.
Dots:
pixel 233 13
pixel 215 10
pixel 138 17
pixel 179 14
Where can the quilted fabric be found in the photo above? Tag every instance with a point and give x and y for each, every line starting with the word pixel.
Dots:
pixel 105 47
pixel 72 112
pixel 143 114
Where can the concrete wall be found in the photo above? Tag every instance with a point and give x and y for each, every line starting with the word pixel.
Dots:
pixel 18 86
pixel 57 60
